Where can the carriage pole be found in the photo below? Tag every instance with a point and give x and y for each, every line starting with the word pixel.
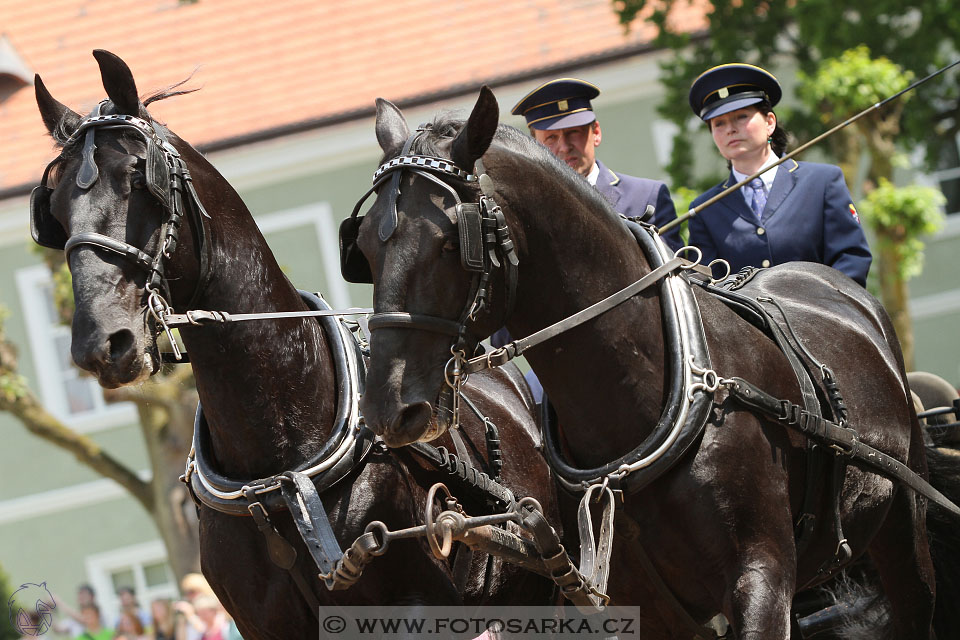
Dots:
pixel 692 212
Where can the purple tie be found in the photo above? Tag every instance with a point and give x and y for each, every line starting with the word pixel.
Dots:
pixel 759 197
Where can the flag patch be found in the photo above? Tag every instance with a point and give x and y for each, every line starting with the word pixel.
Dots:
pixel 853 212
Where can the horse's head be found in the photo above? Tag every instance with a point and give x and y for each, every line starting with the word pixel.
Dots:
pixel 107 201
pixel 423 240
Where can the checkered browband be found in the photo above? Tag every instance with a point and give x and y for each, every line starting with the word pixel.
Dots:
pixel 423 162
pixel 115 120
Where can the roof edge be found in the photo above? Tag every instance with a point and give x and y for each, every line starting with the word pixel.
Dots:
pixel 452 91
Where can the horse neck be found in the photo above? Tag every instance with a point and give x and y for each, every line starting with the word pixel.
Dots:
pixel 609 375
pixel 267 386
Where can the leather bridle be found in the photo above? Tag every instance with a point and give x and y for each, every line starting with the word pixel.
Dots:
pixel 167 179
pixel 485 244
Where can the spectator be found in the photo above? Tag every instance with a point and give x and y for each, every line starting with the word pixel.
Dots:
pixel 162 623
pixel 92 627
pixel 129 604
pixel 72 626
pixel 129 627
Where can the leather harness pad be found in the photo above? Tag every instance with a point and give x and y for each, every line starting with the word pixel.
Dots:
pixel 158 173
pixel 471 236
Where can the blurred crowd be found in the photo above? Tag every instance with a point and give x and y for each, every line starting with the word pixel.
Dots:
pixel 198 615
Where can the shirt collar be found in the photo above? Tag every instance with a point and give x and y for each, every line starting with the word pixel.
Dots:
pixel 593 175
pixel 767 177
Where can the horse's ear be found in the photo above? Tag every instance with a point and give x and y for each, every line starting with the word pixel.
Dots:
pixel 392 129
pixel 475 137
pixel 118 81
pixel 54 113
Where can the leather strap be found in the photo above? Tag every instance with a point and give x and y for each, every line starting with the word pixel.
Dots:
pixel 594 557
pixel 110 244
pixel 413 321
pixel 312 522
pixel 845 441
pixel 508 352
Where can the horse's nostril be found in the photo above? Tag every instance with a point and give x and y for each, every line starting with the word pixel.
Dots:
pixel 121 342
pixel 414 417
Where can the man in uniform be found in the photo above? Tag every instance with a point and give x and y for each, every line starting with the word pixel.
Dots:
pixel 561 118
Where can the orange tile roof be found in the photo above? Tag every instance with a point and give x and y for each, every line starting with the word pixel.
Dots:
pixel 263 66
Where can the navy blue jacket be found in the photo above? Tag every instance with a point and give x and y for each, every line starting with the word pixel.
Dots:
pixel 630 196
pixel 809 216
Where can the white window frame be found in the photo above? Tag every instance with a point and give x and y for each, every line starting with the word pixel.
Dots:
pixel 32 284
pixel 101 567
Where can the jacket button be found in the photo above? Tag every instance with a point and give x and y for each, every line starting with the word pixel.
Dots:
pixel 761 231
pixel 765 263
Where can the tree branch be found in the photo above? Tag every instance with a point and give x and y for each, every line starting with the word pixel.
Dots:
pixel 41 423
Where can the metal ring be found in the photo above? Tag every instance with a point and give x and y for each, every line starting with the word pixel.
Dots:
pixel 686 249
pixel 383 540
pixel 441 549
pixel 722 263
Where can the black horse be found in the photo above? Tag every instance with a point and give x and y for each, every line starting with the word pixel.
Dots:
pixel 268 388
pixel 719 524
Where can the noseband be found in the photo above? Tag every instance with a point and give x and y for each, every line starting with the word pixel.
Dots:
pixel 167 179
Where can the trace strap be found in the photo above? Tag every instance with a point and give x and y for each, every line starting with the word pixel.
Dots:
pixel 508 352
pixel 199 316
pixel 845 441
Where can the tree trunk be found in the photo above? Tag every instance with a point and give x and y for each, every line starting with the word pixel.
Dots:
pixel 167 405
pixel 894 295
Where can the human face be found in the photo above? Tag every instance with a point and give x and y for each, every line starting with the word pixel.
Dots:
pixel 574 145
pixel 741 137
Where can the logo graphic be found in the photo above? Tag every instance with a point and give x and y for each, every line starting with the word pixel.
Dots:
pixel 30 608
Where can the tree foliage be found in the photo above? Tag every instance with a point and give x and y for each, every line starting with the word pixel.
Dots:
pixel 7 629
pixel 918 35
pixel 903 215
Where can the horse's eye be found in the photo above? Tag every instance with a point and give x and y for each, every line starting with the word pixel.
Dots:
pixel 138 180
pixel 449 246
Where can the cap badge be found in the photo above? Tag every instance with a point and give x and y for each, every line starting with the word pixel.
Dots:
pixel 724 92
pixel 562 105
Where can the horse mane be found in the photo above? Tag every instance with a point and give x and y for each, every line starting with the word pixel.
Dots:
pixel 445 127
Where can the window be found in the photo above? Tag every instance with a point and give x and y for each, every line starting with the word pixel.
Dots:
pixel 141 567
pixel 947 177
pixel 69 394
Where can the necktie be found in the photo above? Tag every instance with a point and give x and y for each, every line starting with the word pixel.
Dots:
pixel 759 197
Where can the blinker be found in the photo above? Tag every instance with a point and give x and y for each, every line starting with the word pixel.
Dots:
pixel 44 228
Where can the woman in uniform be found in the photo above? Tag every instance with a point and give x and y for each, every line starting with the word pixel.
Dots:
pixel 795 211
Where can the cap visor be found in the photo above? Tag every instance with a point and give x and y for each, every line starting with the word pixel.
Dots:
pixel 564 122
pixel 727 107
